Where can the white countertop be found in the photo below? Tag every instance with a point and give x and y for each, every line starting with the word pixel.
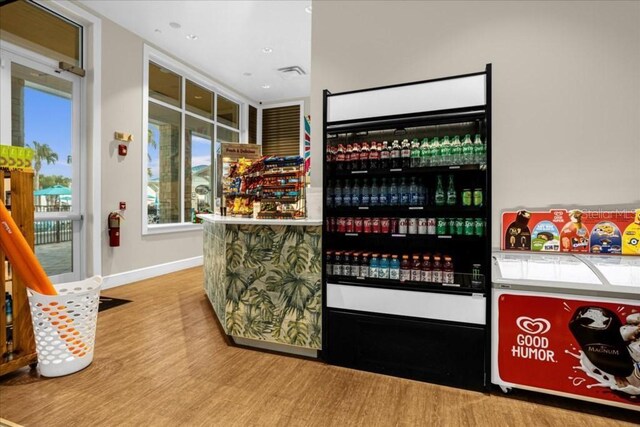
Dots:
pixel 252 221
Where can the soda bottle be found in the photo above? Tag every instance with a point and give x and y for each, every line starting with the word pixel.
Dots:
pixel 346 264
pixel 422 193
pixel 415 153
pixel 364 265
pixel 329 195
pixel 355 194
pixel 451 192
pixel 425 274
pixel 355 157
pixel 346 194
pixel 329 157
pixel 436 269
pixel 404 193
pixel 445 152
pixel 394 268
pixel 447 276
pixel 415 268
pixel 365 198
pixel 394 197
pixel 440 196
pixel 405 269
pixel 328 262
pixel 384 193
pixel 467 150
pixel 364 156
pixel 337 194
pixel 405 154
pixel 340 158
pixel 425 152
pixel 434 153
pixel 355 264
pixel 456 151
pixel 337 263
pixel 374 155
pixel 374 267
pixel 385 155
pixel 396 161
pixel 348 157
pixel 375 193
pixel 383 269
pixel 413 193
pixel 479 151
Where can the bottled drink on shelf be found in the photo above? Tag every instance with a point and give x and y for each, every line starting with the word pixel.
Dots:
pixel 355 264
pixel 329 195
pixel 328 261
pixel 364 265
pixel 404 193
pixel 384 193
pixel 348 157
pixel 346 194
pixel 329 157
pixel 467 150
pixel 374 267
pixel 340 158
pixel 436 269
pixel 383 269
pixel 355 194
pixel 445 152
pixel 456 151
pixel 425 152
pixel 434 153
pixel 364 156
pixel 346 263
pixel 425 273
pixel 440 197
pixel 479 151
pixel 396 160
pixel 414 194
pixel 394 268
pixel 394 196
pixel 405 154
pixel 405 269
pixel 337 194
pixel 385 155
pixel 374 155
pixel 374 195
pixel 337 263
pixel 416 269
pixel 447 270
pixel 415 153
pixel 365 195
pixel 451 192
pixel 423 193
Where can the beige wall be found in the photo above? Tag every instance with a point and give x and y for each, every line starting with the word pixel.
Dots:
pixel 566 86
pixel 121 177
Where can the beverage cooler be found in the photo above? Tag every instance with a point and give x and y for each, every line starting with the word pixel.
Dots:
pixel 567 324
pixel 405 238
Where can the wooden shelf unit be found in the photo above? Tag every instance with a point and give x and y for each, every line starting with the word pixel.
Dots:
pixel 24 348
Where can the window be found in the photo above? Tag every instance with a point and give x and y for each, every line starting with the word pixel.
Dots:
pixel 281 127
pixel 186 121
pixel 253 125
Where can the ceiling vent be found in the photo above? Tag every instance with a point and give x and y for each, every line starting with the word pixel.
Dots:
pixel 291 72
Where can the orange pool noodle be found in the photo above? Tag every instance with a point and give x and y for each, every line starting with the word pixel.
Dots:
pixel 21 256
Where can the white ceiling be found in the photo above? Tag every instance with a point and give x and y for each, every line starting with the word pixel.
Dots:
pixel 231 36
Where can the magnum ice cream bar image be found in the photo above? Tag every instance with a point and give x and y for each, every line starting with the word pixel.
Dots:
pixel 598 331
pixel 518 235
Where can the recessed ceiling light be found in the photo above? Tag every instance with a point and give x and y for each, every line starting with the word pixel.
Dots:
pixel 267 50
pixel 246 74
pixel 197 96
pixel 157 30
pixel 192 37
pixel 266 86
pixel 307 9
pixel 174 25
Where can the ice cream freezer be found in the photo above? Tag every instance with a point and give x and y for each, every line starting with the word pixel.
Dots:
pixel 568 325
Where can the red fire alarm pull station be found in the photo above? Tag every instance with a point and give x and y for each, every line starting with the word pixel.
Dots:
pixel 123 206
pixel 122 150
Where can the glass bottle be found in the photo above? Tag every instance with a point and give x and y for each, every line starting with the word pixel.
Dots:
pixel 405 269
pixel 405 153
pixel 436 269
pixel 404 193
pixel 364 156
pixel 365 198
pixel 413 193
pixel 384 193
pixel 425 152
pixel 394 268
pixel 374 266
pixel 447 276
pixel 451 192
pixel 425 274
pixel 355 194
pixel 383 269
pixel 415 268
pixel 445 152
pixel 440 196
pixel 337 194
pixel 385 155
pixel 434 153
pixel 375 193
pixel 346 194
pixel 467 150
pixel 456 151
pixel 479 151
pixel 396 161
pixel 394 196
pixel 415 153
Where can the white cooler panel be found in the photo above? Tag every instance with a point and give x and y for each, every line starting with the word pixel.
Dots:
pixel 454 308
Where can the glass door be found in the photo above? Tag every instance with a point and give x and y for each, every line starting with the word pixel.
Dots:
pixel 40 110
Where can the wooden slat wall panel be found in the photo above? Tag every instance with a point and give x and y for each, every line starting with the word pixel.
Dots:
pixel 281 131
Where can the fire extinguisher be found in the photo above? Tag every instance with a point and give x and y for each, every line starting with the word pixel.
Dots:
pixel 114 228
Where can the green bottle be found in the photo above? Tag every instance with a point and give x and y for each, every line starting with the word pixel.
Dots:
pixel 445 152
pixel 440 196
pixel 434 150
pixel 451 192
pixel 456 151
pixel 479 151
pixel 467 150
pixel 425 153
pixel 415 153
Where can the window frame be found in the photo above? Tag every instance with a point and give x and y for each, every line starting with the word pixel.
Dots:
pixel 186 73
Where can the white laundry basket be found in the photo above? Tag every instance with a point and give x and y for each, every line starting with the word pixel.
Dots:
pixel 64 326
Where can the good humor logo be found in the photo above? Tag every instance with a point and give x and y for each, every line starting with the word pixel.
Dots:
pixel 530 344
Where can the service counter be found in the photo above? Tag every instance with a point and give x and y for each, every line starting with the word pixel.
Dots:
pixel 263 278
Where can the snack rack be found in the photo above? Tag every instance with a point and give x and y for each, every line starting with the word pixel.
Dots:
pixel 283 191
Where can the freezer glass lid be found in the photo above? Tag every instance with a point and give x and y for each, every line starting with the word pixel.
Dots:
pixel 541 269
pixel 618 270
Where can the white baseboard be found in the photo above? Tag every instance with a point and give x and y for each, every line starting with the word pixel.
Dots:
pixel 131 276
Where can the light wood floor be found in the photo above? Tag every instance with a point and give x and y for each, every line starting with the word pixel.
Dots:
pixel 162 360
